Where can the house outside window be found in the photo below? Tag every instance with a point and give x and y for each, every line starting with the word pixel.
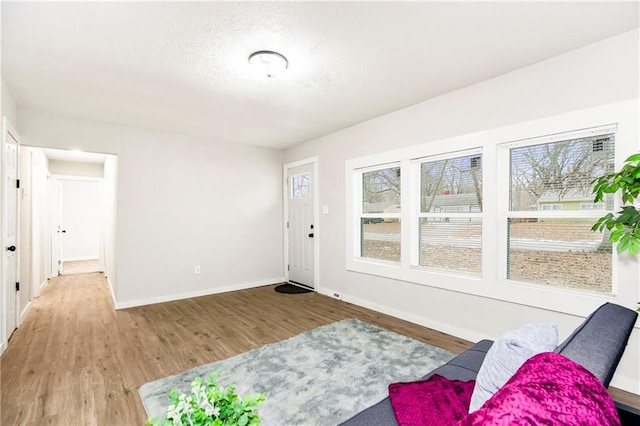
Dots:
pixel 549 237
pixel 545 257
pixel 450 217
pixel 380 214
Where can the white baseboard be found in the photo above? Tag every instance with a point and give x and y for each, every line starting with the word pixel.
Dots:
pixel 459 332
pixel 3 347
pixel 25 312
pixel 205 292
pixel 113 294
pixel 43 285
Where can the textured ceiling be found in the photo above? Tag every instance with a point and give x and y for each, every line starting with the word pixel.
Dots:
pixel 182 67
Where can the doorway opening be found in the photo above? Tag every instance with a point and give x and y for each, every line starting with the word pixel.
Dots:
pixel 69 211
pixel 77 218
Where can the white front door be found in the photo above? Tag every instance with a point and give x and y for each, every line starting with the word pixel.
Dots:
pixel 301 232
pixel 10 230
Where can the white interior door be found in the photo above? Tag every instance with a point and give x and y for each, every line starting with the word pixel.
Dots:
pixel 301 232
pixel 81 202
pixel 10 228
pixel 55 227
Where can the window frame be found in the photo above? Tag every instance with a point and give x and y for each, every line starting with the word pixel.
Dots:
pixel 492 284
pixel 417 213
pixel 291 194
pixel 357 248
pixel 504 151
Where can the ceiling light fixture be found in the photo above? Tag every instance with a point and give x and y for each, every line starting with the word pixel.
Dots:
pixel 269 63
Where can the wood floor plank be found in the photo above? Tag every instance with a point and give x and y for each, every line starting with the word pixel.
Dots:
pixel 77 361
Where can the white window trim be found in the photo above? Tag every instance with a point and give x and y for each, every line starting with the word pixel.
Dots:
pixel 492 284
pixel 357 247
pixel 415 213
pixel 505 212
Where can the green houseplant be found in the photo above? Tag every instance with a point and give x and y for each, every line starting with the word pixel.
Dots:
pixel 623 226
pixel 211 405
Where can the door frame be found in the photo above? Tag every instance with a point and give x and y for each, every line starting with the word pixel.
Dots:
pixel 8 129
pixel 316 217
pixel 57 179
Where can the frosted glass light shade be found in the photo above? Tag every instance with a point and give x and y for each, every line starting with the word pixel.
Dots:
pixel 268 63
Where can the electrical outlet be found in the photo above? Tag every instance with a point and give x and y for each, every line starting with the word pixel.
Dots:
pixel 337 295
pixel 196 271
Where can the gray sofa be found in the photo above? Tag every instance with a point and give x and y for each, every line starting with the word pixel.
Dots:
pixel 597 344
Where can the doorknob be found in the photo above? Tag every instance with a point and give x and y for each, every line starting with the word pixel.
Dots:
pixel 11 248
pixel 311 235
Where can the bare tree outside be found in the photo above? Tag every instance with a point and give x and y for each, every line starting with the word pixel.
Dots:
pixel 300 186
pixel 381 186
pixel 380 237
pixel 452 176
pixel 560 250
pixel 558 169
pixel 556 249
pixel 452 185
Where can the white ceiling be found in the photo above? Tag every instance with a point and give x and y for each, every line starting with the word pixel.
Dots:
pixel 182 67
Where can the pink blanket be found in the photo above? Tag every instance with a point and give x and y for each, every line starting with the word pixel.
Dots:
pixel 435 402
pixel 548 389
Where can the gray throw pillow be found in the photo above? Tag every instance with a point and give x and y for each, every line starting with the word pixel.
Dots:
pixel 506 356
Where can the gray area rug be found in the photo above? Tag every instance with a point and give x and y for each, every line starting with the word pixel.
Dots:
pixel 320 377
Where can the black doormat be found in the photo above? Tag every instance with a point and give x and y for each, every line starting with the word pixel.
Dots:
pixel 291 289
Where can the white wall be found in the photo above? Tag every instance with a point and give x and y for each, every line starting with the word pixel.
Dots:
pixel 76 168
pixel 34 229
pixel 181 202
pixel 110 220
pixel 9 106
pixel 40 234
pixel 599 74
pixel 25 242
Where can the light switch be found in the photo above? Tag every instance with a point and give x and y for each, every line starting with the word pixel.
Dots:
pixel 325 209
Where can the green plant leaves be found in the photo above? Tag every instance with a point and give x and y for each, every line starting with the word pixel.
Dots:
pixel 210 405
pixel 625 224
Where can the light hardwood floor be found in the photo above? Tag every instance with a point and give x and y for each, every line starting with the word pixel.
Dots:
pixel 76 361
pixel 72 267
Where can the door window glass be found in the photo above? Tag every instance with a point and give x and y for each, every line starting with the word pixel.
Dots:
pixel 300 186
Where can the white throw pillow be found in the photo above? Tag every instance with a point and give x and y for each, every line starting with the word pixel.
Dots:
pixel 506 356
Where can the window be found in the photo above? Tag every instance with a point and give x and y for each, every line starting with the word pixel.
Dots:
pixel 450 217
pixel 550 206
pixel 300 186
pixel 592 206
pixel 380 214
pixel 549 238
pixel 504 213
